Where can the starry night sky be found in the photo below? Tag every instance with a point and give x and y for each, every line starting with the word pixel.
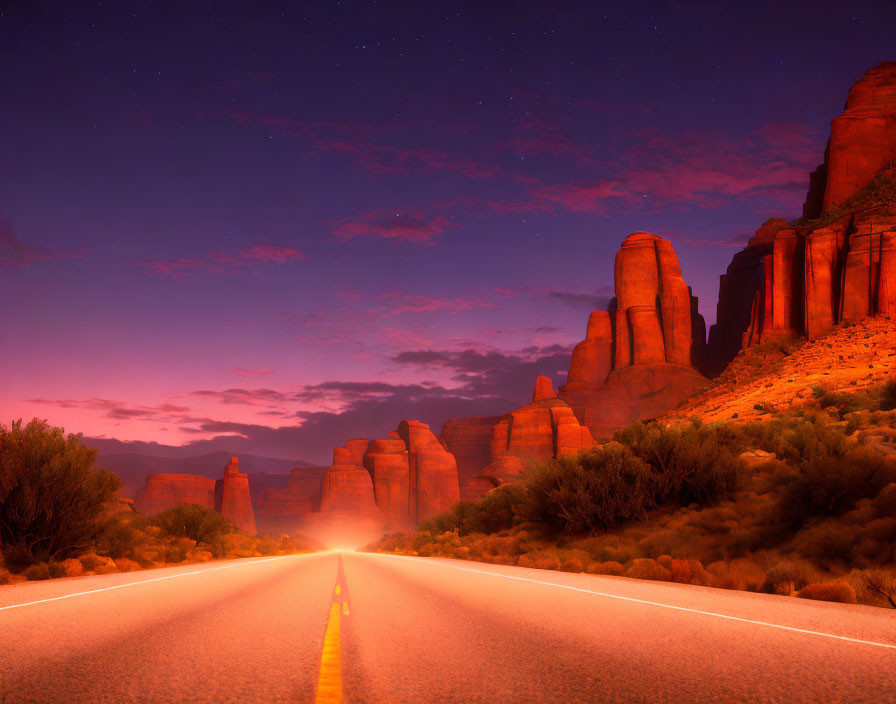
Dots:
pixel 270 227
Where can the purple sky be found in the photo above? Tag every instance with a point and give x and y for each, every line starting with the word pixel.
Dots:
pixel 272 227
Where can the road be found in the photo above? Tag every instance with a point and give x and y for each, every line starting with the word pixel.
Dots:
pixel 354 627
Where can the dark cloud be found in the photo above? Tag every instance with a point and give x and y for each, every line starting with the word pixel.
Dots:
pixel 599 300
pixel 483 382
pixel 14 251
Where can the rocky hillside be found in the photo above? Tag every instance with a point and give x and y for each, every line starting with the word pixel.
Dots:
pixel 837 263
pixel 779 374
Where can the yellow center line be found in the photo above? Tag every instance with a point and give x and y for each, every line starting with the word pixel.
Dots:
pixel 329 682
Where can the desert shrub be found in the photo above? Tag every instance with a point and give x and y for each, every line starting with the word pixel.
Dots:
pixel 571 565
pixel 826 541
pixel 449 520
pixel 645 568
pixel 123 564
pixel 541 559
pixel 840 592
pixel 91 561
pixel 595 489
pixel 611 567
pixel 888 396
pixel 121 536
pixel 52 496
pixel 37 572
pixel 787 576
pixel 192 521
pixel 880 583
pixel 498 510
pixel 178 549
pixel 830 484
pixel 690 463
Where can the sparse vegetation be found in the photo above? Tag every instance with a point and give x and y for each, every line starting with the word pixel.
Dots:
pixel 51 495
pixel 880 192
pixel 810 508
pixel 56 518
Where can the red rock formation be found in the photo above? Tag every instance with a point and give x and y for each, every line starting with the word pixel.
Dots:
pixel 232 497
pixel 644 363
pixel 356 449
pixel 474 488
pixel 469 440
pixel 886 291
pixel 541 430
pixel 164 491
pixel 803 280
pixel 592 359
pixel 432 471
pixel 387 462
pixel 863 137
pixel 544 388
pixel 822 253
pixel 347 487
pixel 282 510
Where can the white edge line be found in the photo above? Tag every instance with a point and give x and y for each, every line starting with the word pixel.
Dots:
pixel 650 603
pixel 147 581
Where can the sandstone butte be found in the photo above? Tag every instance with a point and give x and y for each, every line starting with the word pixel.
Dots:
pixel 837 264
pixel 638 359
pixel 228 495
pixel 282 510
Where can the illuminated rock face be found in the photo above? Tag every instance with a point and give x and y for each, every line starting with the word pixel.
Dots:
pixel 802 280
pixel 229 495
pixel 232 497
pixel 469 440
pixel 164 491
pixel 347 487
pixel 498 448
pixel 387 461
pixel 279 509
pixel 432 471
pixel 863 137
pixel 640 358
pixel 637 360
pixel 401 479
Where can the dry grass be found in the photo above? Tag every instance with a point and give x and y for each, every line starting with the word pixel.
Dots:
pixel 841 592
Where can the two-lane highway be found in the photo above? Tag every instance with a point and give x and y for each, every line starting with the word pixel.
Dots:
pixel 355 627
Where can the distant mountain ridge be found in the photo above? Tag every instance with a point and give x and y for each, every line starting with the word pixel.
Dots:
pixel 133 467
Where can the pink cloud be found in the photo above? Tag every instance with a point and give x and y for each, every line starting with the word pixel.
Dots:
pixel 412 226
pixel 271 253
pixel 251 373
pixel 693 168
pixel 586 197
pixel 176 268
pixel 14 251
pixel 407 303
pixel 224 259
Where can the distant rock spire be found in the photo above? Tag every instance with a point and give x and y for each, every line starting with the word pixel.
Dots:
pixel 544 388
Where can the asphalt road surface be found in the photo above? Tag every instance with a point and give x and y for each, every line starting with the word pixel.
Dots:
pixel 352 627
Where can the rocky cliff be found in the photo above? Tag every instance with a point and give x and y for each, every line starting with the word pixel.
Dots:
pixel 640 357
pixel 279 510
pixel 232 497
pixel 346 486
pixel 863 141
pixel 229 495
pixel 163 491
pixel 839 262
pixel 403 478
